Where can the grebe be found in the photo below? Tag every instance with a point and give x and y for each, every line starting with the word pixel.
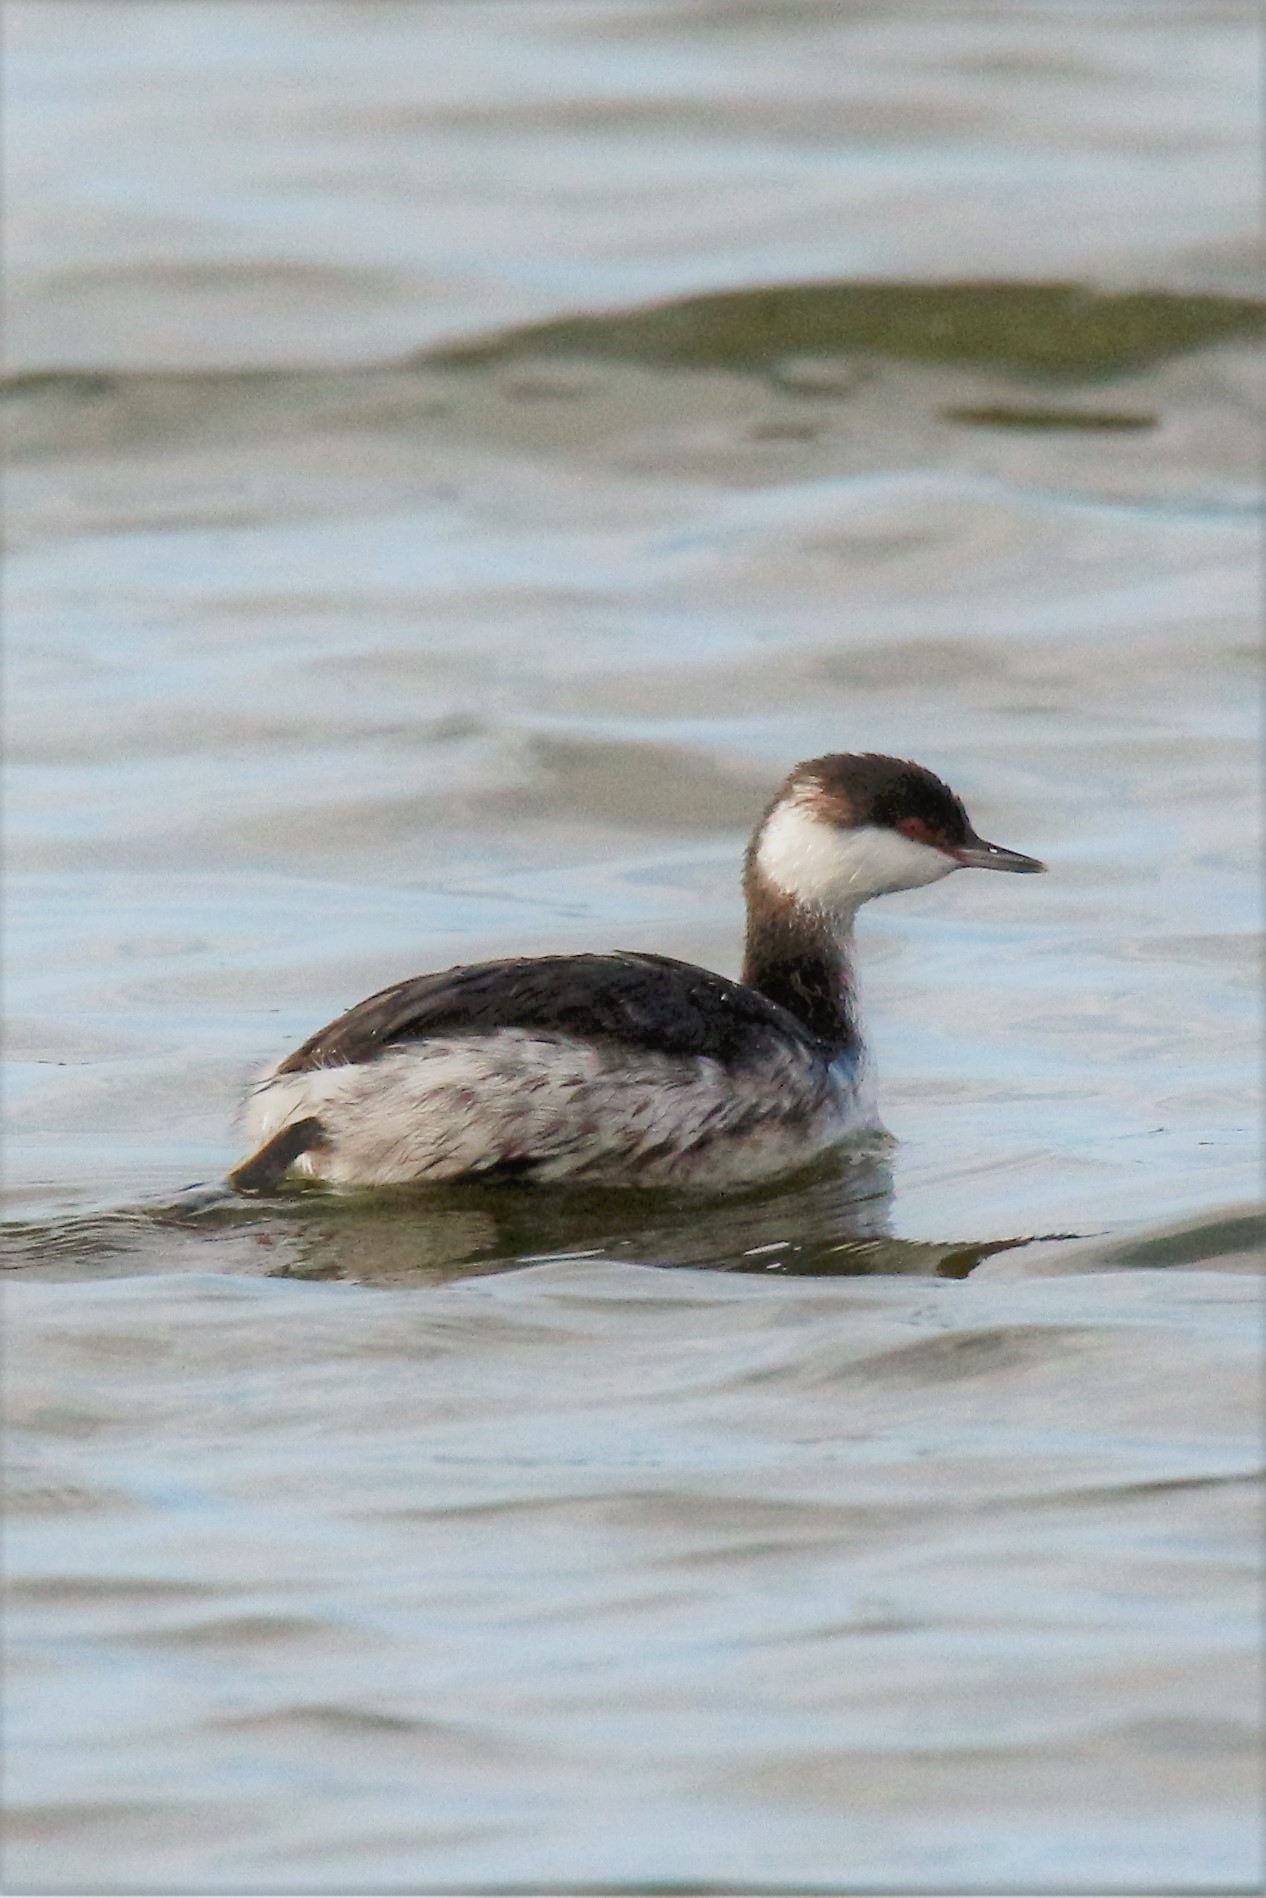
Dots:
pixel 627 1068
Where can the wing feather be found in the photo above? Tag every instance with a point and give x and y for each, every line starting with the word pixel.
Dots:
pixel 638 1001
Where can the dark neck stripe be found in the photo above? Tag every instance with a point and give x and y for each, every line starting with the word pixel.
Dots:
pixel 793 958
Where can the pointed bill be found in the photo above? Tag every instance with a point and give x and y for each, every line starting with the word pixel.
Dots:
pixel 976 854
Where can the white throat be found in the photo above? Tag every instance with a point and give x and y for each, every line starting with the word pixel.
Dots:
pixel 829 868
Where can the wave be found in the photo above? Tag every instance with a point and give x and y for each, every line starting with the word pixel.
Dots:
pixel 1063 331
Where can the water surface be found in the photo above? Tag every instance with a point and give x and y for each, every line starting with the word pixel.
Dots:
pixel 459 459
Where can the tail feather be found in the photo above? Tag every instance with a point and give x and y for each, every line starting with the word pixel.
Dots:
pixel 266 1167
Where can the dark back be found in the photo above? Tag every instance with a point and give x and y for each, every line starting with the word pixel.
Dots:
pixel 625 1000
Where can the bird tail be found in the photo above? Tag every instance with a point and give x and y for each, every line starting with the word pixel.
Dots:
pixel 266 1167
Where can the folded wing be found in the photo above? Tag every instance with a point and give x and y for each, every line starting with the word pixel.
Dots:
pixel 644 1002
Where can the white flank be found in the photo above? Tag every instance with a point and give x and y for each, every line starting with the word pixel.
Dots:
pixel 437 1110
pixel 831 868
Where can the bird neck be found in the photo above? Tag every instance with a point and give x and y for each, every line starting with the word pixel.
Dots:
pixel 802 958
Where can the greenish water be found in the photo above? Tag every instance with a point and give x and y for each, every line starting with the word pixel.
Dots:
pixel 1057 330
pixel 459 458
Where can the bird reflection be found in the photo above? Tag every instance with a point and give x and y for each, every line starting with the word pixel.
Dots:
pixel 832 1220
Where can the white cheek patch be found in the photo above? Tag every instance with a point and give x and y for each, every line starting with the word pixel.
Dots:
pixel 818 863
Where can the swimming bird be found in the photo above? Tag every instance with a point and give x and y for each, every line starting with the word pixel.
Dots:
pixel 630 1068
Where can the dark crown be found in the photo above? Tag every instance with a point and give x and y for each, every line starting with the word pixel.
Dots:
pixel 856 788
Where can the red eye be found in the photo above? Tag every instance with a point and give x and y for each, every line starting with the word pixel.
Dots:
pixel 917 831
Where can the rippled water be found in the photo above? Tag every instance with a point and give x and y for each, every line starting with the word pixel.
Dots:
pixel 459 458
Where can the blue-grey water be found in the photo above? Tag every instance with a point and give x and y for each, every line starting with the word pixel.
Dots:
pixel 459 457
